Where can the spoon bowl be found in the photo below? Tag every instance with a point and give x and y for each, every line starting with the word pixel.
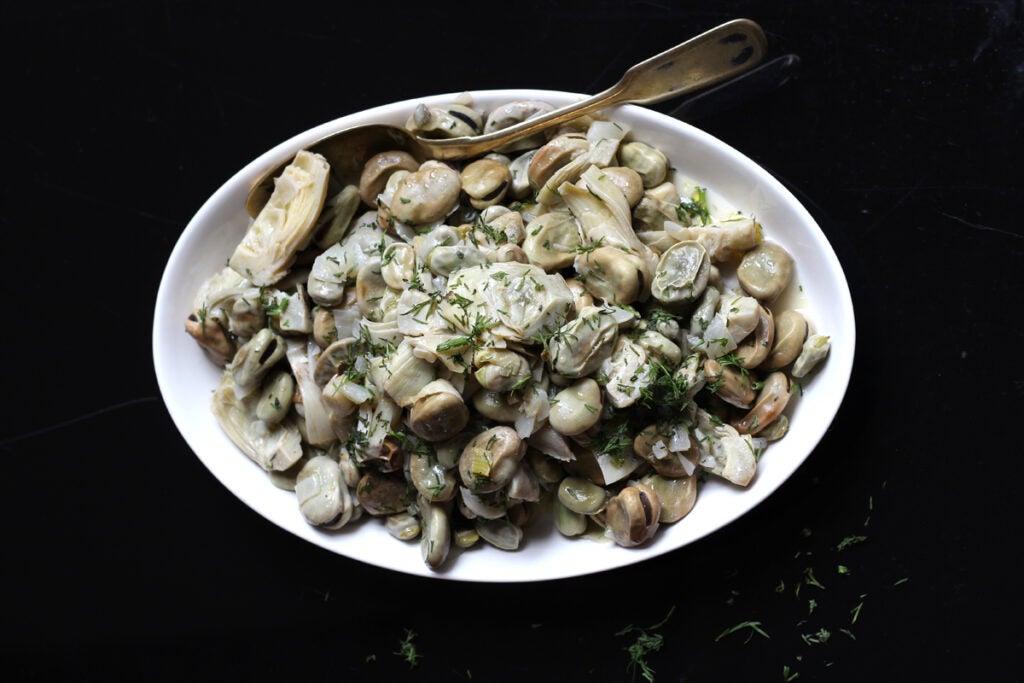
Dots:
pixel 710 58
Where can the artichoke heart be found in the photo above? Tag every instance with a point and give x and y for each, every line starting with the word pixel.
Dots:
pixel 577 348
pixel 287 222
pixel 300 355
pixel 723 240
pixel 724 451
pixel 519 300
pixel 627 371
pixel 604 216
pixel 271 446
pixel 402 374
pixel 221 289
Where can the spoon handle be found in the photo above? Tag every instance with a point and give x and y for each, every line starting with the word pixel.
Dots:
pixel 765 78
pixel 704 60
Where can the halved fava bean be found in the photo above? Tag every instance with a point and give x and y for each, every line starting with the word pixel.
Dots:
pixel 523 513
pixel 256 357
pixel 629 181
pixel 765 271
pixel 611 274
pixel 576 408
pixel 516 112
pixel 790 332
pixel 449 121
pixel 705 310
pixel 427 194
pixel 758 345
pixel 568 522
pixel 520 170
pixel 402 525
pixel 547 470
pixel 776 430
pixel 677 496
pixel 771 401
pixel 437 538
pixel 482 506
pixel 485 181
pixel 383 494
pixel 581 298
pixel 465 538
pixel 398 265
pixel 500 533
pixel 490 460
pixel 438 416
pixel 499 406
pixel 682 273
pixel 276 400
pixel 633 516
pixel 582 496
pixel 650 162
pixel 552 240
pixel 660 347
pixel 555 154
pixel 211 336
pixel 732 386
pixel 430 478
pixel 379 168
pixel 336 216
pixel 323 497
pixel 510 253
pixel 325 328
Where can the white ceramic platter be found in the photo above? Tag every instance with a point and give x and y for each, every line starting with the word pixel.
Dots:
pixel 187 377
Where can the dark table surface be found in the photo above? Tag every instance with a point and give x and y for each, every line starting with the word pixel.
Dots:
pixel 124 559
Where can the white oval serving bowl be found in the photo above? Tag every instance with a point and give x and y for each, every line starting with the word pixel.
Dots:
pixel 186 376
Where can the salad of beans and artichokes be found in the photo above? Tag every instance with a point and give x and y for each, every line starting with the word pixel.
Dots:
pixel 563 327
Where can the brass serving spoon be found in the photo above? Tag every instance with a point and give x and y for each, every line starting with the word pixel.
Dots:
pixel 704 60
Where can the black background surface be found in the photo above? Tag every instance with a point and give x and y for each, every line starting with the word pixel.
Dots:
pixel 125 559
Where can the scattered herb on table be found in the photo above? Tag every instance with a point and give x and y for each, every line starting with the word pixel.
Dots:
pixel 753 626
pixel 850 540
pixel 645 643
pixel 407 649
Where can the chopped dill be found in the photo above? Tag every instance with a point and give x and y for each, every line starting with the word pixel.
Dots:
pixel 753 626
pixel 407 649
pixel 645 643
